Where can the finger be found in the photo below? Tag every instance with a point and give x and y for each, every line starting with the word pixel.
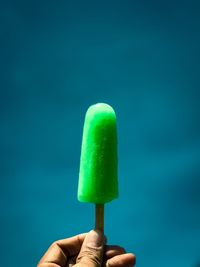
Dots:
pixel 123 260
pixel 71 246
pixel 111 251
pixel 91 253
pixel 60 250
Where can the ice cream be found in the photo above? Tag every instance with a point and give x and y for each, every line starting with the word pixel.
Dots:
pixel 98 179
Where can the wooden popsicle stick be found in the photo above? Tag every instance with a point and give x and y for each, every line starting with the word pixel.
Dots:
pixel 99 217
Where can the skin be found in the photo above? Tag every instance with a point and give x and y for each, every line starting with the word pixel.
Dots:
pixel 86 250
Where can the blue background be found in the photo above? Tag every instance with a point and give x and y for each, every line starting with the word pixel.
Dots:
pixel 59 57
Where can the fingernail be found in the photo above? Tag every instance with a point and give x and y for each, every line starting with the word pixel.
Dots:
pixel 95 239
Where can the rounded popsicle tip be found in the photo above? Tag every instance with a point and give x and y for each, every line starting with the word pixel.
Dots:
pixel 99 112
pixel 101 107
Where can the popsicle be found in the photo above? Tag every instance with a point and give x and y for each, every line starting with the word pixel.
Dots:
pixel 98 178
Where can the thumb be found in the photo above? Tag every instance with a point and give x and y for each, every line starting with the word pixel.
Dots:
pixel 91 252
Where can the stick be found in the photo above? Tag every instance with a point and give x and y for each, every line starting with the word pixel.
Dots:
pixel 99 217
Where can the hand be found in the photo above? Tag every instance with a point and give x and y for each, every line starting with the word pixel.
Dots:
pixel 86 250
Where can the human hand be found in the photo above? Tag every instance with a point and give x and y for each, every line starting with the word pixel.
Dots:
pixel 86 250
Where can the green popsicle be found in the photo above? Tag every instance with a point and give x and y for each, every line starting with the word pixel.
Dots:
pixel 98 182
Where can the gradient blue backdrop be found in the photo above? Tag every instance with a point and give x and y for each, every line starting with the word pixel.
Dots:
pixel 59 57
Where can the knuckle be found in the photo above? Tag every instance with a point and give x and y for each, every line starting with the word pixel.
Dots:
pixel 54 244
pixel 89 256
